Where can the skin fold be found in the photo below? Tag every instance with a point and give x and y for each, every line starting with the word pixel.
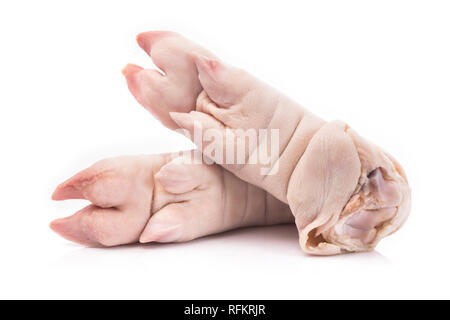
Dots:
pixel 161 198
pixel 345 193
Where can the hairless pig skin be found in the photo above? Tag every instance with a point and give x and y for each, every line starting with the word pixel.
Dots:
pixel 161 198
pixel 345 193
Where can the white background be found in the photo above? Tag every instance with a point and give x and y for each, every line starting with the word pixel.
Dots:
pixel 382 66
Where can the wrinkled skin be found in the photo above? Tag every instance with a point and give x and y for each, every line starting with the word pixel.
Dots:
pixel 161 198
pixel 345 193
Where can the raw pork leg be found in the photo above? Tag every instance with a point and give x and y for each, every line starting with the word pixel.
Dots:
pixel 345 193
pixel 161 198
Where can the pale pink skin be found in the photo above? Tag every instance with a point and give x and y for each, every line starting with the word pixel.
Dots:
pixel 178 88
pixel 161 198
pixel 345 193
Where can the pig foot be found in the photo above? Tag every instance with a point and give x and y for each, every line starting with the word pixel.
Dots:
pixel 160 198
pixel 319 168
pixel 175 88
